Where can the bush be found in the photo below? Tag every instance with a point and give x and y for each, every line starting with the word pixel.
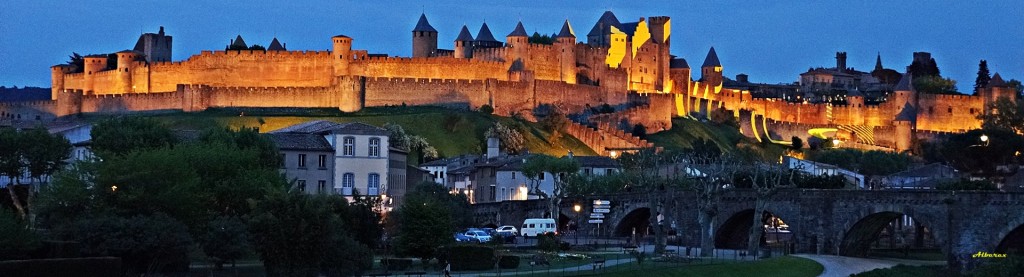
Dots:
pixel 16 240
pixel 486 109
pixel 548 242
pixel 78 267
pixel 467 257
pixel 508 262
pixel 396 264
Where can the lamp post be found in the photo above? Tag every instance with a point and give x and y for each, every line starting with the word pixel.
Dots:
pixel 575 231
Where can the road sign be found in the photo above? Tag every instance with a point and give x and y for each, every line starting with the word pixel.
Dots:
pixel 602 211
pixel 602 206
pixel 596 215
pixel 602 202
pixel 598 221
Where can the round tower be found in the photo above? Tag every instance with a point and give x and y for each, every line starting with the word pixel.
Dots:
pixel 464 44
pixel 341 54
pixel 566 43
pixel 903 135
pixel 424 38
pixel 93 65
pixel 125 66
pixel 57 79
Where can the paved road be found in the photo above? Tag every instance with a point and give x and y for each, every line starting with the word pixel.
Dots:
pixel 841 266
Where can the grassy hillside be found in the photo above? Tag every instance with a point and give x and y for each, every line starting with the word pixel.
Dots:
pixel 686 131
pixel 452 132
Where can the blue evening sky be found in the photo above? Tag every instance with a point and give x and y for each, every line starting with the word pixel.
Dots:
pixel 772 41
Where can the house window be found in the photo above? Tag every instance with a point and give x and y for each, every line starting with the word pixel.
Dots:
pixel 373 184
pixel 321 186
pixel 493 192
pixel 586 171
pixel 302 160
pixel 347 182
pixel 301 184
pixel 348 146
pixel 503 194
pixel 513 175
pixel 322 161
pixel 374 147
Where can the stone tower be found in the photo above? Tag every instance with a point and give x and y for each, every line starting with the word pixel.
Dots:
pixel 93 65
pixel 464 44
pixel 903 93
pixel 424 38
pixel 878 62
pixel 711 71
pixel 125 66
pixel 518 42
pixel 661 33
pixel 341 54
pixel 566 43
pixel 841 61
pixel 996 88
pixel 57 79
pixel 155 47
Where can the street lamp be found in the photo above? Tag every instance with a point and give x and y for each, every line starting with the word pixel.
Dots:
pixel 575 231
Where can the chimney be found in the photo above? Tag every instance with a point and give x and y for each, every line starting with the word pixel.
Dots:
pixel 742 78
pixel 841 61
pixel 492 147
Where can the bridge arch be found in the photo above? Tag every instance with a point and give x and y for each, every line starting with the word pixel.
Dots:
pixel 1011 237
pixel 638 219
pixel 734 231
pixel 890 229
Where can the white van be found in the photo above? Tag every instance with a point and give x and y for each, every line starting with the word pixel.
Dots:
pixel 537 226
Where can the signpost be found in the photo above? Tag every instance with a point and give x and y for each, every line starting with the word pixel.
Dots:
pixel 601 207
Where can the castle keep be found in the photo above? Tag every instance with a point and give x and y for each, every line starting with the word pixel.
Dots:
pixel 624 64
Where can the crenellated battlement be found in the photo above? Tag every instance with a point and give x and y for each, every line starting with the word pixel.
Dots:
pixel 423 81
pixel 429 60
pixel 947 97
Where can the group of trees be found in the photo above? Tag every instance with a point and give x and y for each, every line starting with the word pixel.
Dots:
pixel 151 196
pixel 35 152
pixel 510 139
pixel 869 163
pixel 417 146
pixel 427 218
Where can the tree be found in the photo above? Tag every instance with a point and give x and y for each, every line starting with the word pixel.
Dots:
pixel 966 151
pixel 797 143
pixel 767 180
pixel 983 75
pixel 642 168
pixel 511 140
pixel 417 146
pixel 304 235
pixel 887 76
pixel 935 85
pixel 1014 83
pixel 537 38
pixel 226 240
pixel 16 239
pixel 77 62
pixel 560 170
pixel 924 68
pixel 12 165
pixel 709 175
pixel 146 243
pixel 120 135
pixel 639 131
pixel 363 219
pixel 42 154
pixel 555 122
pixel 486 109
pixel 1006 115
pixel 425 221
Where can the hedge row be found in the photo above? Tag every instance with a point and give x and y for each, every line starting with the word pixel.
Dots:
pixel 508 262
pixel 78 267
pixel 468 257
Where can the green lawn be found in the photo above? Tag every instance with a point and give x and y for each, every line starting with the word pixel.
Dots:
pixel 781 266
pixel 686 131
pixel 464 136
pixel 909 271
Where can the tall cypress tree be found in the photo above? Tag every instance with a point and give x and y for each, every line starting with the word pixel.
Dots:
pixel 983 77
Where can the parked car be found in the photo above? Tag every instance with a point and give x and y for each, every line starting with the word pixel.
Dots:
pixel 462 237
pixel 478 236
pixel 505 237
pixel 508 229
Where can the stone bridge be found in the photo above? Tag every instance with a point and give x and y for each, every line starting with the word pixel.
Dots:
pixel 842 222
